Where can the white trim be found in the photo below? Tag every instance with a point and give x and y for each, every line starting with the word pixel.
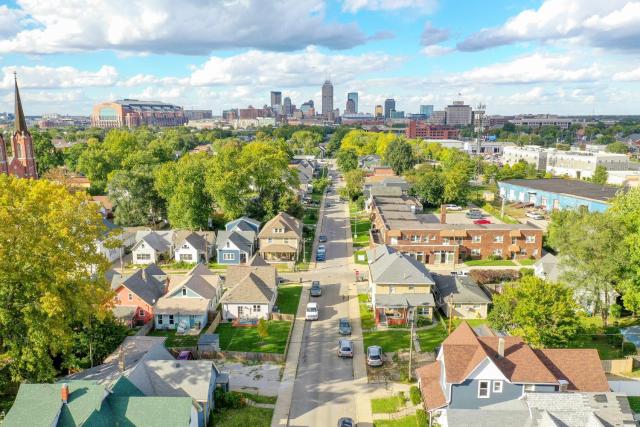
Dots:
pixel 495 389
pixel 488 383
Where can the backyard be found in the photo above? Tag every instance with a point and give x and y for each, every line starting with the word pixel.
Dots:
pixel 288 298
pixel 174 340
pixel 242 417
pixel 608 342
pixel 391 340
pixel 247 338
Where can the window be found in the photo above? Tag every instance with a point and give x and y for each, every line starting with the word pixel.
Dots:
pixel 514 240
pixel 278 230
pixel 143 257
pixel 497 386
pixel 130 296
pixel 475 252
pixel 171 319
pixel 184 291
pixel 497 252
pixel 256 308
pixel 498 239
pixel 483 389
pixel 476 239
pixel 445 240
pixel 269 240
pixel 285 241
pixel 415 239
pixel 411 288
pixel 185 246
pixel 228 244
pixel 228 256
pixel 159 319
pixel 141 313
pixel 392 289
pixel 433 237
pixel 186 257
pixel 529 387
pixel 530 239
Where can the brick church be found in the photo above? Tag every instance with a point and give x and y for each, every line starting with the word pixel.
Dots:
pixel 23 162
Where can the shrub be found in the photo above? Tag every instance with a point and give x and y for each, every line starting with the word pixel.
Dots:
pixel 421 418
pixel 495 257
pixel 483 277
pixel 614 311
pixel 525 272
pixel 414 394
pixel 229 399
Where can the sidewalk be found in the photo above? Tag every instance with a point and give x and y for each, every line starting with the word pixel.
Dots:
pixel 285 394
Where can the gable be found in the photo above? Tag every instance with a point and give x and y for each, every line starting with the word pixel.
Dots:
pixel 142 246
pixel 487 370
pixel 177 293
pixel 189 247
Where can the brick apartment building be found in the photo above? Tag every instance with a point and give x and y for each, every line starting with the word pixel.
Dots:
pixel 418 129
pixel 396 221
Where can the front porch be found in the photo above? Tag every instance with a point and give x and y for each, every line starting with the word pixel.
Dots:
pixel 395 309
pixel 279 253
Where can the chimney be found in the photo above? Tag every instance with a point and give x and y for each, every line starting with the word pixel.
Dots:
pixel 121 362
pixel 501 347
pixel 64 393
pixel 564 386
pixel 443 214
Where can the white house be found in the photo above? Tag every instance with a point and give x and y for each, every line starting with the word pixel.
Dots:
pixel 194 246
pixel 152 246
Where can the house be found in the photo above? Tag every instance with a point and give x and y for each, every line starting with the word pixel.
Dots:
pixel 112 234
pixel 152 246
pixel 369 161
pixel 398 284
pixel 86 403
pixel 460 296
pixel 147 366
pixel 137 293
pixel 194 246
pixel 252 290
pixel 238 241
pixel 547 268
pixel 305 176
pixel 479 373
pixel 281 238
pixel 188 303
pixel 243 223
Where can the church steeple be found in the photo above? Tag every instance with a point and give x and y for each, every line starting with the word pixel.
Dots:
pixel 21 122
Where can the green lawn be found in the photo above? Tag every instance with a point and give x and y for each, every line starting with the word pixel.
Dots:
pixel 247 338
pixel 243 417
pixel 174 340
pixel 258 398
pixel 496 212
pixel 216 266
pixel 592 335
pixel 491 263
pixel 360 252
pixel 634 402
pixel 391 340
pixel 387 405
pixel 288 298
pixel 366 316
pixel 409 421
pixel 527 261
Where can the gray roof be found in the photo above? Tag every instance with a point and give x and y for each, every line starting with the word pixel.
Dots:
pixel 549 267
pixel 242 223
pixel 157 242
pixel 251 289
pixel 405 300
pixel 200 286
pixel 462 288
pixel 489 418
pixel 570 187
pixel 124 312
pixel 145 283
pixel 388 266
pixel 242 239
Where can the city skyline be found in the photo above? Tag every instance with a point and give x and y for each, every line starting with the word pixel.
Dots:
pixel 556 57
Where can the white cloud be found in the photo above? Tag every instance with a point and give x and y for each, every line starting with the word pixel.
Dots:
pixel 432 35
pixel 305 68
pixel 148 79
pixel 534 68
pixel 40 76
pixel 174 94
pixel 437 50
pixel 420 6
pixel 627 76
pixel 166 26
pixel 612 24
pixel 11 21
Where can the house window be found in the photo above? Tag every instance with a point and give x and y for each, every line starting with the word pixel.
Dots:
pixel 143 257
pixel 256 308
pixel 159 319
pixel 445 240
pixel 433 237
pixel 171 319
pixel 530 387
pixel 184 291
pixel 185 246
pixel 285 241
pixel 483 389
pixel 186 257
pixel 476 239
pixel 392 289
pixel 411 288
pixel 514 240
pixel 475 252
pixel 278 230
pixel 530 239
pixel 497 386
pixel 130 296
pixel 141 313
pixel 228 256
pixel 415 239
pixel 497 252
pixel 269 240
pixel 498 239
pixel 228 244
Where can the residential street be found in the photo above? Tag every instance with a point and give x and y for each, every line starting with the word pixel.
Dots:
pixel 327 387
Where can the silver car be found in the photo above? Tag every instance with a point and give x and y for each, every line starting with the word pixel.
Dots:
pixel 345 348
pixel 374 355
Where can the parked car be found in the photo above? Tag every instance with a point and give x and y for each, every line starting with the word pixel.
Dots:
pixel 346 422
pixel 185 355
pixel 322 238
pixel 534 215
pixel 321 248
pixel 374 355
pixel 474 214
pixel 452 207
pixel 345 348
pixel 482 221
pixel 316 290
pixel 312 311
pixel 321 255
pixel 345 327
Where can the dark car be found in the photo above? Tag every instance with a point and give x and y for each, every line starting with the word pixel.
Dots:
pixel 322 238
pixel 316 290
pixel 345 327
pixel 185 355
pixel 346 422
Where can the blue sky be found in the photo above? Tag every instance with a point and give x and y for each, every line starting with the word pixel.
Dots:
pixel 528 56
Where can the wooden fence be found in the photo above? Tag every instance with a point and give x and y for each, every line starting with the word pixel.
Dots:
pixel 617 366
pixel 282 316
pixel 145 329
pixel 246 356
pixel 214 323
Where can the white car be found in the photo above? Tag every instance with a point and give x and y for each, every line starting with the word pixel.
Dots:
pixel 534 215
pixel 453 207
pixel 312 311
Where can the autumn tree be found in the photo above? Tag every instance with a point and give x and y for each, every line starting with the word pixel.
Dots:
pixel 600 175
pixel 51 276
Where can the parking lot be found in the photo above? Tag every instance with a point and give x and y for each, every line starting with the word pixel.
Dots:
pixel 457 217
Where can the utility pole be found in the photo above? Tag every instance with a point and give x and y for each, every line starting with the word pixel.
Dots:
pixel 411 318
pixel 450 312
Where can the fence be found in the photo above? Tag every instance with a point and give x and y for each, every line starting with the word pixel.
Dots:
pixel 214 323
pixel 246 356
pixel 145 329
pixel 283 316
pixel 617 366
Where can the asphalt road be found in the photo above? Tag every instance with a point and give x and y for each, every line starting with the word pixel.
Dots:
pixel 324 389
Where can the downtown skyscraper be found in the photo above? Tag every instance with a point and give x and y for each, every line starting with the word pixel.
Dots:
pixel 327 100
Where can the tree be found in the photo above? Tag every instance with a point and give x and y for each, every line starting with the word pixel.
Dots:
pixel 135 197
pixel 542 313
pixel 617 147
pixel 399 156
pixel 94 341
pixel 227 182
pixel 47 157
pixel 600 175
pixel 456 184
pixel 306 142
pixel 51 276
pixel 354 181
pixel 428 186
pixel 263 329
pixel 347 159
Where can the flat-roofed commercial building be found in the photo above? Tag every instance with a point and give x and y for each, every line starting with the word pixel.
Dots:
pixel 397 222
pixel 420 129
pixel 583 164
pixel 132 113
pixel 545 120
pixel 458 114
pixel 531 154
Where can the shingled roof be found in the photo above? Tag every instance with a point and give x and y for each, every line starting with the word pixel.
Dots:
pixel 292 227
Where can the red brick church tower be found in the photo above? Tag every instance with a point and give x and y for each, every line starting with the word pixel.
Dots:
pixel 23 162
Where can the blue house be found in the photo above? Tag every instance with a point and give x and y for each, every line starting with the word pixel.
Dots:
pixel 558 194
pixel 237 243
pixel 243 224
pixel 474 372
